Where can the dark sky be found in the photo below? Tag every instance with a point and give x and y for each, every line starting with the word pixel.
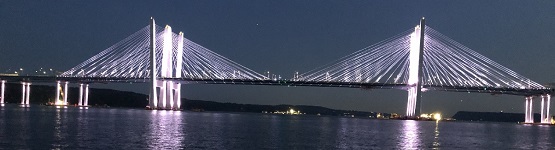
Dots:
pixel 287 36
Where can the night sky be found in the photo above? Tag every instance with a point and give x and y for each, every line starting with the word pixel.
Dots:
pixel 287 36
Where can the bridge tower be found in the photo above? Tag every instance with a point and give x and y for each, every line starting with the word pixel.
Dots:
pixel 165 94
pixel 153 99
pixel 415 70
pixel 176 89
pixel 166 69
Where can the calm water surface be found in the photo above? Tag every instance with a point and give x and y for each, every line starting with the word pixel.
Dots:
pixel 42 127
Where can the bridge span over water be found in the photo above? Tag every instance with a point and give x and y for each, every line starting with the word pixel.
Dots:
pixel 416 60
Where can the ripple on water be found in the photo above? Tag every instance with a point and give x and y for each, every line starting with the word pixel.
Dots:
pixel 41 127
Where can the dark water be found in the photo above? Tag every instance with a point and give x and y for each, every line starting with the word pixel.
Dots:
pixel 42 127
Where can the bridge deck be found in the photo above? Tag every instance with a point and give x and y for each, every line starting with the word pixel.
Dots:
pixel 363 85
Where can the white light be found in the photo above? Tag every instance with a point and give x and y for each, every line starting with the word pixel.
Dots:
pixel 437 116
pixel 414 56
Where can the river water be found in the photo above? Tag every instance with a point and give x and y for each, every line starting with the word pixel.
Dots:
pixel 47 127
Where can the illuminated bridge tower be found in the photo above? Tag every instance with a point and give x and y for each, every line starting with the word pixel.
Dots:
pixel 165 94
pixel 152 98
pixel 415 70
pixel 176 86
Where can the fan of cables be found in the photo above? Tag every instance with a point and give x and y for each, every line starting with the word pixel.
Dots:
pixel 130 58
pixel 446 63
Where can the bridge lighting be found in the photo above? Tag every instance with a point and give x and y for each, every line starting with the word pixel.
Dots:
pixel 398 61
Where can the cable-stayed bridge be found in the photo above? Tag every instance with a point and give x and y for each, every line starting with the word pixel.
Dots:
pixel 416 60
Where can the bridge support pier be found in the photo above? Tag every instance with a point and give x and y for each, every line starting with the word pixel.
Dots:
pixel 65 92
pixel 548 108
pixel 177 96
pixel 529 113
pixel 57 100
pixel 2 93
pixel 169 94
pixel 25 92
pixel 61 101
pixel 28 93
pixel 173 95
pixel 162 95
pixel 86 101
pixel 545 104
pixel 80 103
pixel 83 99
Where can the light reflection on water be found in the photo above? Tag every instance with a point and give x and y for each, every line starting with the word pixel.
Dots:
pixel 58 130
pixel 40 127
pixel 436 143
pixel 165 129
pixel 409 138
